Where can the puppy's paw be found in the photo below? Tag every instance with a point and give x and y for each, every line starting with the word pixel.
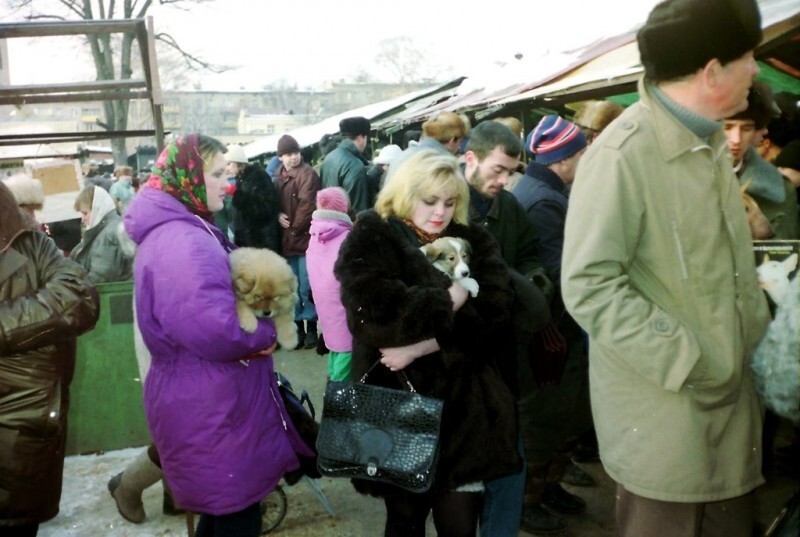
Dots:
pixel 288 340
pixel 249 324
pixel 247 319
pixel 470 285
pixel 286 329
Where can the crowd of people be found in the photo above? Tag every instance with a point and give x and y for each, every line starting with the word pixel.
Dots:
pixel 617 312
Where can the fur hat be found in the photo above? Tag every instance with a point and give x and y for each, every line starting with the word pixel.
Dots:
pixel 595 116
pixel 333 198
pixel 26 190
pixel 554 139
pixel 789 157
pixel 445 126
pixel 287 145
pixel 353 126
pixel 388 154
pixel 235 153
pixel 681 36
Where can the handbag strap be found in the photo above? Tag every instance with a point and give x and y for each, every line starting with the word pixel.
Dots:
pixel 402 377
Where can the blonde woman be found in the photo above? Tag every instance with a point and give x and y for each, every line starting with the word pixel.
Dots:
pixel 410 316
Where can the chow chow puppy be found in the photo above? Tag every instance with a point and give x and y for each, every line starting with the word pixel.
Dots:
pixel 265 285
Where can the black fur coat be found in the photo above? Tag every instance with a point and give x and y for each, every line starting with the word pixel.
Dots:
pixel 394 297
pixel 256 205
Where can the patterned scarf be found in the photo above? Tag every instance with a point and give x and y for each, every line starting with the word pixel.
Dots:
pixel 422 236
pixel 179 173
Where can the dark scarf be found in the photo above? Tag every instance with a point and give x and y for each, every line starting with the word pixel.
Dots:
pixel 179 173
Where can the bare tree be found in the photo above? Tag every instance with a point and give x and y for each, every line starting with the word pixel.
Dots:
pixel 112 53
pixel 400 57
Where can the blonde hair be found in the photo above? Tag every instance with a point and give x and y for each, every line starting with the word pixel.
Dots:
pixel 123 171
pixel 85 198
pixel 445 126
pixel 424 173
pixel 512 123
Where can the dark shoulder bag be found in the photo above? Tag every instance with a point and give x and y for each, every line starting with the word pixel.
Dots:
pixel 379 434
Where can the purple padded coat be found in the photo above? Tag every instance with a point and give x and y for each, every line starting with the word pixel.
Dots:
pixel 219 424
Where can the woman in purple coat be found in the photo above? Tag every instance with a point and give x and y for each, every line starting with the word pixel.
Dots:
pixel 212 404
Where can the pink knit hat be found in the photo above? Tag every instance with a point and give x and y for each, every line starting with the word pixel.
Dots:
pixel 333 199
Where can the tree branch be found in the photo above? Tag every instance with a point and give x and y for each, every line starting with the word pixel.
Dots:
pixel 193 62
pixel 143 10
pixel 76 7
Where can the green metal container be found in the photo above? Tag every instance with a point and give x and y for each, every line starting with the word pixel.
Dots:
pixel 106 411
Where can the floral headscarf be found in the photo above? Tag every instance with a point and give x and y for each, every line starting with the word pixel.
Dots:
pixel 179 173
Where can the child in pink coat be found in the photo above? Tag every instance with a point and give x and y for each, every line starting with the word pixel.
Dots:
pixel 330 225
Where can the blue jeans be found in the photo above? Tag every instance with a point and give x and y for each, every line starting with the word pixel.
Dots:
pixel 305 310
pixel 502 502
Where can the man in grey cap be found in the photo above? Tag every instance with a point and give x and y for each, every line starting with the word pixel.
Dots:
pixel 346 167
pixel 658 268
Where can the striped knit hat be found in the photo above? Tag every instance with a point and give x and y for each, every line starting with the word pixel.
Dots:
pixel 554 139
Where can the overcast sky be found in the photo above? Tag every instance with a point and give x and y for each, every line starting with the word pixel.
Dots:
pixel 308 42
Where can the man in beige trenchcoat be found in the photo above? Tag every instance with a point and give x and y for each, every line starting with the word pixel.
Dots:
pixel 658 269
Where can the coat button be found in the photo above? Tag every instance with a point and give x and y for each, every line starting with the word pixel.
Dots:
pixel 627 125
pixel 662 326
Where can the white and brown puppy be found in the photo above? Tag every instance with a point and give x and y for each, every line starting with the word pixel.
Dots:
pixel 265 284
pixel 451 256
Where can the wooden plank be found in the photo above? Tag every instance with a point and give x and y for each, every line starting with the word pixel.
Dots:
pixel 159 125
pixel 75 97
pixel 150 59
pixel 83 27
pixel 67 87
pixel 50 138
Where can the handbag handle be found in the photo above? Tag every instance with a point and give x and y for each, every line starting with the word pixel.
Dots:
pixel 404 380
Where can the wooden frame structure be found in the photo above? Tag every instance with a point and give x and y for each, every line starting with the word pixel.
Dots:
pixel 100 90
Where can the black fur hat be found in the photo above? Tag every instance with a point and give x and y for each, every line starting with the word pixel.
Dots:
pixel 681 36
pixel 353 126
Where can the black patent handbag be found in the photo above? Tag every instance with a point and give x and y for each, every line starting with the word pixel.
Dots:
pixel 379 434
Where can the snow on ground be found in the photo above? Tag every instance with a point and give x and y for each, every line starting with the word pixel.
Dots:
pixel 87 509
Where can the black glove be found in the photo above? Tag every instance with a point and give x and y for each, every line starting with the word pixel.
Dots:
pixel 540 279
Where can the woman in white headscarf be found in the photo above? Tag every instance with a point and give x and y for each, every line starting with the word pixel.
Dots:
pixel 99 250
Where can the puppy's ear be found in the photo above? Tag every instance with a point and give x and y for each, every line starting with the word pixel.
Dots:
pixel 466 248
pixel 243 285
pixel 432 252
